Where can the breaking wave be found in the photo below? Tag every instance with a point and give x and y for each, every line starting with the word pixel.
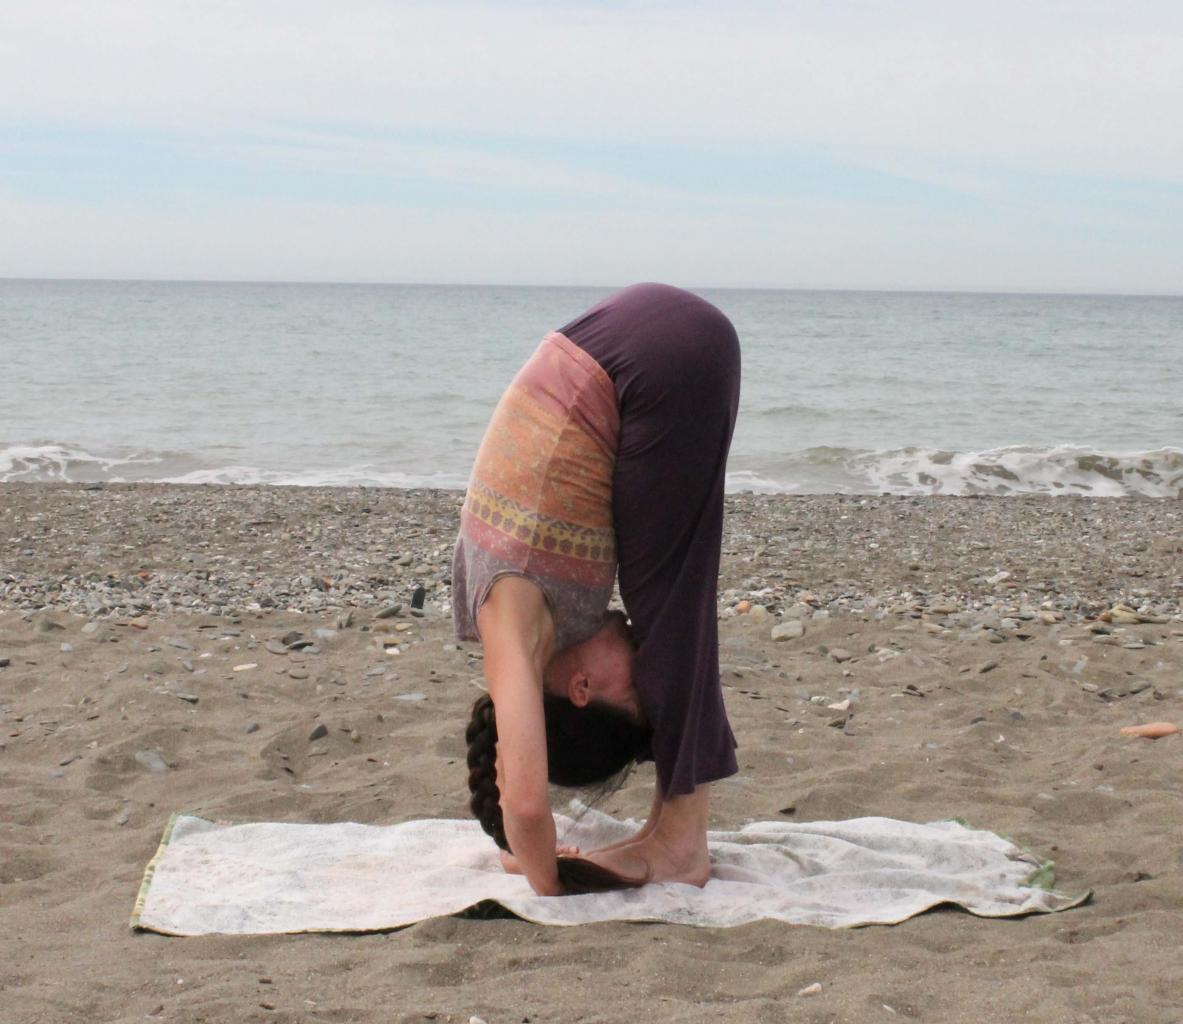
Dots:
pixel 1013 470
pixel 61 463
pixel 1017 469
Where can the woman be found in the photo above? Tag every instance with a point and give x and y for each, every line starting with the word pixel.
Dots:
pixel 607 451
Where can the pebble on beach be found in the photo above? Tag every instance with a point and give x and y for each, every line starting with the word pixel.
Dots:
pixel 791 630
pixel 151 760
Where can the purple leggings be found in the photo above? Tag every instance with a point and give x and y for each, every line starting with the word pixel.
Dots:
pixel 673 359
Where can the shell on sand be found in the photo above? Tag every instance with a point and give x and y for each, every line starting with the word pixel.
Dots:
pixel 1152 730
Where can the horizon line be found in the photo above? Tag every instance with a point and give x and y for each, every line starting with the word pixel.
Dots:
pixel 837 289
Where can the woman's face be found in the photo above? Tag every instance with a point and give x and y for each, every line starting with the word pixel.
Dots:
pixel 610 673
pixel 599 671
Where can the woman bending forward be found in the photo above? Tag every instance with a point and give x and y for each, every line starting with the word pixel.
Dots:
pixel 606 454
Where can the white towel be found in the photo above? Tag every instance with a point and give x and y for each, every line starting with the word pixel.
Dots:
pixel 251 879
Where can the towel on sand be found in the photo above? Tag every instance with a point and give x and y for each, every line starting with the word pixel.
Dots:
pixel 252 879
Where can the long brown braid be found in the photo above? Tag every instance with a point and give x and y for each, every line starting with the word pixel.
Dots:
pixel 576 874
pixel 481 736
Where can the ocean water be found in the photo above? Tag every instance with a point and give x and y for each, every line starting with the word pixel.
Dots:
pixel 392 385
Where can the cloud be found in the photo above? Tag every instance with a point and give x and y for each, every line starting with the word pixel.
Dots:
pixel 905 144
pixel 1085 88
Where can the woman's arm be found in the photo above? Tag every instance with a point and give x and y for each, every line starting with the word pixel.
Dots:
pixel 521 776
pixel 516 632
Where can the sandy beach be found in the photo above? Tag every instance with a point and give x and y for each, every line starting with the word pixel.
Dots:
pixel 990 650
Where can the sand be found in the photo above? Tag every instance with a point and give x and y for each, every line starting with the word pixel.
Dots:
pixel 961 630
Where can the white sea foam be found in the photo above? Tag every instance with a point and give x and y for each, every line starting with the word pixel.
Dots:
pixel 69 464
pixel 1018 469
pixel 1022 469
pixel 347 476
pixel 758 483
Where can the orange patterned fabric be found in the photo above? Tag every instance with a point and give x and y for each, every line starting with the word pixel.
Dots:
pixel 539 502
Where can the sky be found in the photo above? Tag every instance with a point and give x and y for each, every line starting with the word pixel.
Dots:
pixel 1002 146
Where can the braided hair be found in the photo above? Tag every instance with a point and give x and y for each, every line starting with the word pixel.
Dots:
pixel 481 737
pixel 584 746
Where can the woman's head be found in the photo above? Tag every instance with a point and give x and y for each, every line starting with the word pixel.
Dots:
pixel 598 671
pixel 584 747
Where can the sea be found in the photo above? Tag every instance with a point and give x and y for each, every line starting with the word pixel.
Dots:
pixel 847 392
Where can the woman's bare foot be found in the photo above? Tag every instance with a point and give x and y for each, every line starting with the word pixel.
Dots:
pixel 654 860
pixel 672 847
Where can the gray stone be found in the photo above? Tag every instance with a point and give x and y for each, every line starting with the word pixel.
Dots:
pixel 319 733
pixel 275 647
pixel 390 612
pixel 791 629
pixel 840 654
pixel 151 760
pixel 176 641
pixel 171 691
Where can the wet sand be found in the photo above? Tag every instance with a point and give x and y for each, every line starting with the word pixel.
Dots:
pixel 968 634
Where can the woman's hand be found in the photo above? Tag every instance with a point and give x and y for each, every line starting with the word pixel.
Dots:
pixel 511 866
